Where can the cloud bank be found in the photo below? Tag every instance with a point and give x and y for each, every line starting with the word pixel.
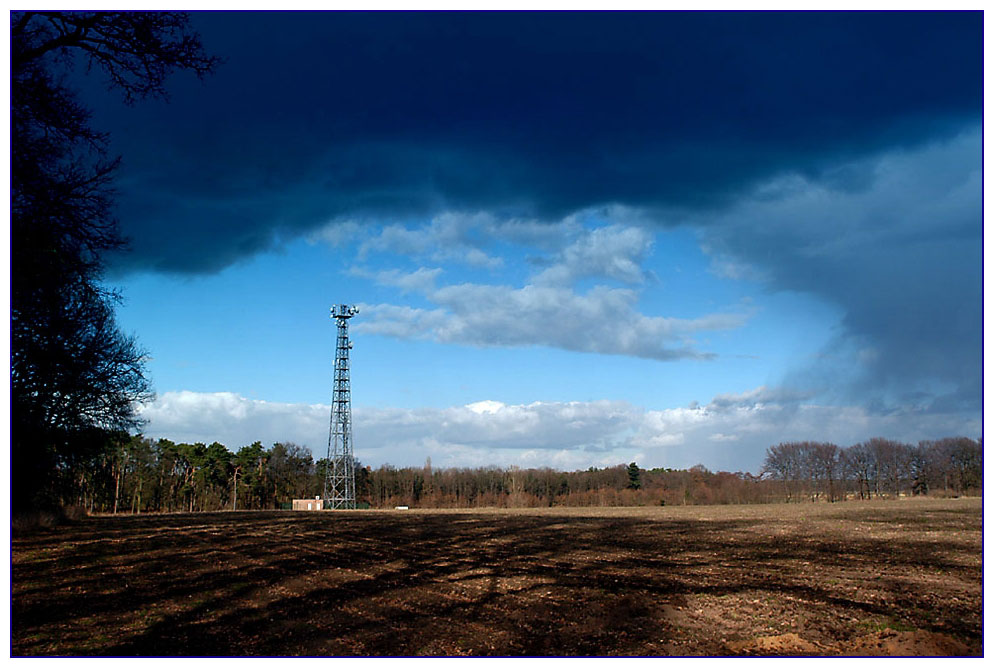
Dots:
pixel 732 432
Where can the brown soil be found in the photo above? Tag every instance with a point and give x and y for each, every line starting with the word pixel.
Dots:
pixel 884 578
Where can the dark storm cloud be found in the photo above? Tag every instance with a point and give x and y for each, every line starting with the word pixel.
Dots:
pixel 903 256
pixel 318 117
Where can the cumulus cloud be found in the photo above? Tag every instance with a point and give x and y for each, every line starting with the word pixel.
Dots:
pixel 491 424
pixel 574 251
pixel 450 236
pixel 232 419
pixel 470 238
pixel 615 252
pixel 602 320
pixel 402 322
pixel 567 435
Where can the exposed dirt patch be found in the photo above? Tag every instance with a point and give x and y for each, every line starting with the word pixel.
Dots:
pixel 885 578
pixel 906 643
pixel 787 644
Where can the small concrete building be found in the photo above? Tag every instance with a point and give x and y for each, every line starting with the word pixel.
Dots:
pixel 308 504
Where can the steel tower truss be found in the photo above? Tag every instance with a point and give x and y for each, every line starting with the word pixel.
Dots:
pixel 339 480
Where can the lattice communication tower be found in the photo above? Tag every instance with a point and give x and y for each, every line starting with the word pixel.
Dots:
pixel 339 480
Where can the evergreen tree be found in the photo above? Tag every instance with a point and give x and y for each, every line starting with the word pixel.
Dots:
pixel 634 476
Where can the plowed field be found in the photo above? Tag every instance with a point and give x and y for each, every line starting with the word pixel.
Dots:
pixel 856 578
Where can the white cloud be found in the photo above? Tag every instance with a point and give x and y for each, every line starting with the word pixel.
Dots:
pixel 566 435
pixel 614 252
pixel 448 237
pixel 421 280
pixel 232 419
pixel 486 406
pixel 402 322
pixel 602 320
pixel 548 310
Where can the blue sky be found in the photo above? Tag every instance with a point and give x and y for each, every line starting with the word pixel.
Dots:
pixel 267 320
pixel 575 239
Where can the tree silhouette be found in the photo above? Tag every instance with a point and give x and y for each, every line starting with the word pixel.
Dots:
pixel 72 370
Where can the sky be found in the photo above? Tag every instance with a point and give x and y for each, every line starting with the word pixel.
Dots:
pixel 575 239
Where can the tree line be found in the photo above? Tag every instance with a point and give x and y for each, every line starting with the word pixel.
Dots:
pixel 134 474
pixel 874 468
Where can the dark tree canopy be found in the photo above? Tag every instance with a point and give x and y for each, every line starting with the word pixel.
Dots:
pixel 72 370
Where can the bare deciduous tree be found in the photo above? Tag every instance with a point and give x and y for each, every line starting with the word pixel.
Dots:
pixel 72 370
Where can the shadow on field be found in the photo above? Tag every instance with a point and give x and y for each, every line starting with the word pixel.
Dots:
pixel 250 584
